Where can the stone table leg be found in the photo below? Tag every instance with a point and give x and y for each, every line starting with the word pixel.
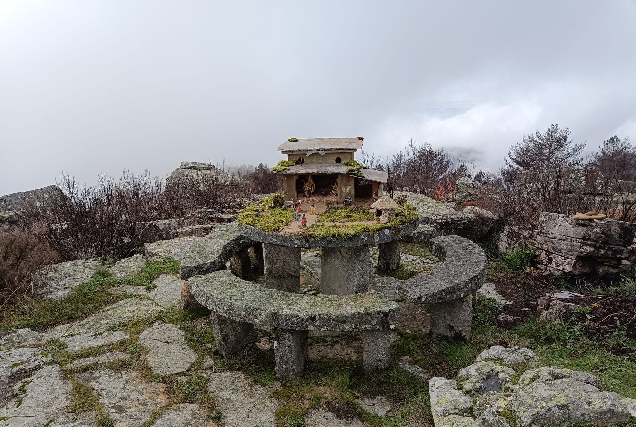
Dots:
pixel 452 318
pixel 376 348
pixel 282 268
pixel 389 256
pixel 290 352
pixel 231 337
pixel 241 264
pixel 345 270
pixel 258 261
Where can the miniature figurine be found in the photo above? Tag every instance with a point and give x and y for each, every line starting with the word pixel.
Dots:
pixel 303 221
pixel 313 209
pixel 299 209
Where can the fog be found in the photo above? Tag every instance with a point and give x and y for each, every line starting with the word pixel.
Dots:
pixel 92 87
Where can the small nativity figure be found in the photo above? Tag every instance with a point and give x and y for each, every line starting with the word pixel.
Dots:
pixel 384 209
pixel 299 210
pixel 313 209
pixel 303 221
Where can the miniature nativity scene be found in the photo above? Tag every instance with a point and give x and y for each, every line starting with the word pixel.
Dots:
pixel 326 190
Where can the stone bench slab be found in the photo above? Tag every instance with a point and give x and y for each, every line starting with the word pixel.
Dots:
pixel 242 301
pixel 210 253
pixel 462 273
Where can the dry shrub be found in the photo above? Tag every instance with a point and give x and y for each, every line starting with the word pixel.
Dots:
pixel 86 222
pixel 264 181
pixel 21 255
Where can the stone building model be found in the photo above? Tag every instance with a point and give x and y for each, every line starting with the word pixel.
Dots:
pixel 328 162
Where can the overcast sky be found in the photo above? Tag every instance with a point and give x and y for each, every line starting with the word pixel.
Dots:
pixel 99 86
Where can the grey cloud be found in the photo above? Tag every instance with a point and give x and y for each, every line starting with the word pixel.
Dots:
pixel 100 86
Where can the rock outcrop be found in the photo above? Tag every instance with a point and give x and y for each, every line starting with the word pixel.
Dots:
pixel 566 245
pixel 470 222
pixel 11 205
pixel 488 393
pixel 195 172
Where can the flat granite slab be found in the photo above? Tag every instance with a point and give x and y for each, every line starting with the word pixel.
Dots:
pixel 237 299
pixel 209 253
pixel 369 238
pixel 462 273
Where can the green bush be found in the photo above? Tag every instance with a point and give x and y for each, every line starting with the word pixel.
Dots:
pixel 519 259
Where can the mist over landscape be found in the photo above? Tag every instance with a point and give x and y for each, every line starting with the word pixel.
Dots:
pixel 102 86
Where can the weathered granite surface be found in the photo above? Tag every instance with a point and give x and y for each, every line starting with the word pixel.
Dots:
pixel 125 396
pixel 491 392
pixel 183 415
pixel 244 301
pixel 242 402
pixel 107 318
pixel 45 397
pixel 114 356
pixel 162 229
pixel 321 417
pixel 13 205
pixel 509 356
pixel 566 245
pixel 345 270
pixel 462 273
pixel 195 173
pixel 128 266
pixel 16 365
pixel 23 337
pixel 173 248
pixel 167 292
pixel 83 341
pixel 168 352
pixel 58 280
pixel 282 267
pixel 210 253
pixel 471 222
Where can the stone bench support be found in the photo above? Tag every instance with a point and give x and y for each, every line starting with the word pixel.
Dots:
pixel 258 258
pixel 389 256
pixel 290 353
pixel 237 304
pixel 241 264
pixel 282 267
pixel 230 336
pixel 345 270
pixel 376 349
pixel 452 318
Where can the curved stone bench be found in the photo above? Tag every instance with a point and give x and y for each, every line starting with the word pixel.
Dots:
pixel 449 288
pixel 238 305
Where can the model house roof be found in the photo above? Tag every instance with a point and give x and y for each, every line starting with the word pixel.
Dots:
pixel 321 144
pixel 333 168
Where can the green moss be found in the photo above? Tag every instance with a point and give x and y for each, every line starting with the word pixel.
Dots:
pixel 346 213
pixel 85 299
pixel 354 168
pixel 418 250
pixel 292 139
pixel 403 215
pixel 283 165
pixel 263 215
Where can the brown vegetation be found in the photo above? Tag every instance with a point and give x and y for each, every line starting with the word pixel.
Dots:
pixel 21 255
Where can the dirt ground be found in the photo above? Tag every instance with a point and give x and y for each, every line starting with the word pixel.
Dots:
pixel 321 204
pixel 606 314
